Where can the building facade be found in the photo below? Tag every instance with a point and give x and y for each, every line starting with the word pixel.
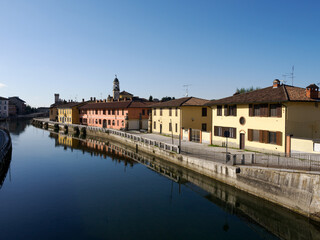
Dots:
pixel 4 107
pixel 19 103
pixel 184 113
pixel 69 112
pixel 267 119
pixel 125 115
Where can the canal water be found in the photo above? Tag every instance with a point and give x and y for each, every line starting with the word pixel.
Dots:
pixel 61 187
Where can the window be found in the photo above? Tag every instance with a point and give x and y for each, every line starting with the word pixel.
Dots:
pixel 273 137
pixel 109 122
pixel 118 113
pixel 96 112
pixel 122 123
pixel 99 121
pixel 170 112
pixel 104 112
pixel 219 110
pixel 143 112
pixel 176 127
pixel 113 122
pixel 204 127
pixel 154 112
pixel 176 112
pixel 230 110
pixel 122 111
pixel 204 112
pixel 160 111
pixel 113 112
pixel 255 135
pixel 109 112
pixel 96 121
pixel 256 110
pixel 117 122
pixel 220 131
pixel 154 125
pixel 170 127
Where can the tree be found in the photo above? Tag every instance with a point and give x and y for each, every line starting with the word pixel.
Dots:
pixel 151 98
pixel 164 99
pixel 245 90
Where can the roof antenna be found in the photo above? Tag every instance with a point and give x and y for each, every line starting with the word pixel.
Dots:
pixel 291 75
pixel 186 86
pixel 285 78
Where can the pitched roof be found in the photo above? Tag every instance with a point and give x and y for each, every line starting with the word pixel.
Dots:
pixel 70 104
pixel 117 105
pixel 125 93
pixel 185 101
pixel 17 98
pixel 3 98
pixel 283 93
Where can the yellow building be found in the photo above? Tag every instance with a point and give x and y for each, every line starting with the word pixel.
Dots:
pixel 268 119
pixel 69 112
pixel 184 113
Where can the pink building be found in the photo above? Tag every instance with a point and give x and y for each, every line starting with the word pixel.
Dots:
pixel 126 115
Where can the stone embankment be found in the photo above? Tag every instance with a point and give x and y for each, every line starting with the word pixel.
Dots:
pixel 5 144
pixel 296 190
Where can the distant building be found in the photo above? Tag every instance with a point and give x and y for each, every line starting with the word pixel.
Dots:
pixel 117 95
pixel 19 103
pixel 172 116
pixel 4 107
pixel 12 110
pixel 127 115
pixel 69 112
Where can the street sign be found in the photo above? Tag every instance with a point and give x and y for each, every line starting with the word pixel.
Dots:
pixel 226 134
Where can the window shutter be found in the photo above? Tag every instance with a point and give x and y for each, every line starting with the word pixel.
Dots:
pixel 235 110
pixel 265 110
pixel 250 110
pixel 234 133
pixel 265 137
pixel 226 110
pixel 279 138
pixel 279 110
pixel 260 136
pixel 250 134
pixel 216 130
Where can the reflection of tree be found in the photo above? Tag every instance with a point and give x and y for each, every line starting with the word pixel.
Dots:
pixel 16 127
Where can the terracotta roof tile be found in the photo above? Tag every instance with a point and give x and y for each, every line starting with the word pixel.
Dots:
pixel 116 105
pixel 185 101
pixel 283 93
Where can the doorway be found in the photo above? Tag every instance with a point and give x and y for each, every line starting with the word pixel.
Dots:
pixel 104 123
pixel 242 141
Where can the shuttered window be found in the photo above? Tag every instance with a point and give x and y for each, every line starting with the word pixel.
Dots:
pixel 219 110
pixel 264 136
pixel 219 131
pixel 230 110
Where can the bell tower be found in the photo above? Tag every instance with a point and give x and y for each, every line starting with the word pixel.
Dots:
pixel 116 89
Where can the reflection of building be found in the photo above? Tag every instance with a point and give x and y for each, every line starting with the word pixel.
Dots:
pixel 188 112
pixel 94 147
pixel 19 103
pixel 16 127
pixel 132 114
pixel 4 107
pixel 12 110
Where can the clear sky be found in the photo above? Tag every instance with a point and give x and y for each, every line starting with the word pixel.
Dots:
pixel 155 47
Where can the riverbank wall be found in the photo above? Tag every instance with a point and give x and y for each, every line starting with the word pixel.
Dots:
pixel 296 190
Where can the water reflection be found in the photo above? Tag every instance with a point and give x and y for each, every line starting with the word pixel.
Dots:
pixel 261 216
pixel 16 127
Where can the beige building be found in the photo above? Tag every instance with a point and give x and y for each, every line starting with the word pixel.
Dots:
pixel 184 113
pixel 279 118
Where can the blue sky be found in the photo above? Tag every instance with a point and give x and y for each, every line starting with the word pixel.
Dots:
pixel 155 47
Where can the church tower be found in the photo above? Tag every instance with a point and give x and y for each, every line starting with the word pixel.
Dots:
pixel 116 89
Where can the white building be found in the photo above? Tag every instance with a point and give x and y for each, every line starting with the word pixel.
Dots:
pixel 4 107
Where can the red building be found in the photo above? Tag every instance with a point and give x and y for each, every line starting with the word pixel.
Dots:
pixel 127 115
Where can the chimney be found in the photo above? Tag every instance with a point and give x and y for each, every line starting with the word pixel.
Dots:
pixel 82 99
pixel 276 83
pixel 91 99
pixel 94 98
pixel 56 97
pixel 104 100
pixel 312 91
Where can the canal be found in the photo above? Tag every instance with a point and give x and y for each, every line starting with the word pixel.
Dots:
pixel 62 187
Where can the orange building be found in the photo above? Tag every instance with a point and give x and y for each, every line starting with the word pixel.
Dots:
pixel 126 115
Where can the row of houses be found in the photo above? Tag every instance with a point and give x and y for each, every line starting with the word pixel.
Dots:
pixel 278 118
pixel 12 106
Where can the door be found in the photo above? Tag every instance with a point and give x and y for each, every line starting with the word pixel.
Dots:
pixel 104 123
pixel 160 128
pixel 242 140
pixel 195 135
